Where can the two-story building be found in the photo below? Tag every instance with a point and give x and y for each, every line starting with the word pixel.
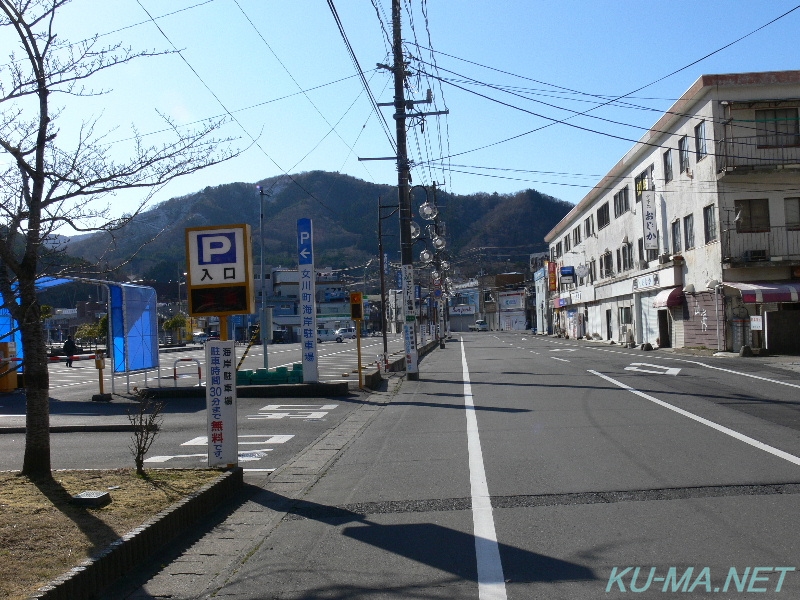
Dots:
pixel 696 230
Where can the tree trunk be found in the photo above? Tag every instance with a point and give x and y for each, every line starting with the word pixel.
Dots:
pixel 36 462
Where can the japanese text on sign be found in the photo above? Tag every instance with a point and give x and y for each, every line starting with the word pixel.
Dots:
pixel 221 403
pixel 649 220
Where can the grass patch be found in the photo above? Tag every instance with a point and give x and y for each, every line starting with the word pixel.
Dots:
pixel 42 534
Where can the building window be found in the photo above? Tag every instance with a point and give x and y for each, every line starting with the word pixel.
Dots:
pixel 642 182
pixel 688 231
pixel 752 215
pixel 588 227
pixel 627 257
pixel 676 237
pixel 700 140
pixel 792 208
pixel 667 166
pixel 566 243
pixel 683 154
pixel 559 251
pixel 592 271
pixel 576 236
pixel 709 224
pixel 619 260
pixel 603 216
pixel 606 265
pixel 621 202
pixel 625 315
pixel 776 128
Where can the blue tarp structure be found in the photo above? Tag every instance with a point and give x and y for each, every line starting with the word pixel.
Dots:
pixel 132 323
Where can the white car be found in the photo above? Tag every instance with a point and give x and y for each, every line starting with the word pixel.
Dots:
pixel 480 325
pixel 327 335
pixel 347 333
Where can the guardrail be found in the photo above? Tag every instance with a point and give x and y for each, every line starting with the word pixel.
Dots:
pixel 175 370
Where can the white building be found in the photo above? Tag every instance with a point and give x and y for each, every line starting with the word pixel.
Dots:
pixel 723 164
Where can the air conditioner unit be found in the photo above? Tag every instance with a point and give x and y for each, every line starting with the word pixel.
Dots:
pixel 689 173
pixel 664 258
pixel 754 255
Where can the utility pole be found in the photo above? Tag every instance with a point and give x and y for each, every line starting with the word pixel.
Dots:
pixel 403 169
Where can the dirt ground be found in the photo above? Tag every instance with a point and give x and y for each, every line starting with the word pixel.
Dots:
pixel 43 534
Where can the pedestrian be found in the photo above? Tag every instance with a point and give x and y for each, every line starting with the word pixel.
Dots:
pixel 70 349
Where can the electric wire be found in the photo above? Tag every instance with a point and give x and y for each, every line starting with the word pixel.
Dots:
pixel 360 71
pixel 254 141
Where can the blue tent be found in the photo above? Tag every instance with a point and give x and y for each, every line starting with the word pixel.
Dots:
pixel 132 324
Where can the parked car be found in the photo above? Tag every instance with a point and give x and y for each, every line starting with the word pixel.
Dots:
pixel 200 338
pixel 480 325
pixel 347 333
pixel 327 335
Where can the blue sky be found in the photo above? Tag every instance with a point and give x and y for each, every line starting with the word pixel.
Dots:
pixel 255 56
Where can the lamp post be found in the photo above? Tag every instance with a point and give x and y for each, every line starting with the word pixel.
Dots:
pixel 383 277
pixel 265 319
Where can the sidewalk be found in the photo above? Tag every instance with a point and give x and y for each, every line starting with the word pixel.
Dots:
pixel 203 566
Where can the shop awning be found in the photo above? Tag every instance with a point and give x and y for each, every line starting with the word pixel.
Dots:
pixel 757 292
pixel 668 297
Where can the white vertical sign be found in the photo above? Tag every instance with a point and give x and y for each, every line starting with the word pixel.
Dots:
pixel 223 439
pixel 308 300
pixel 649 220
pixel 409 320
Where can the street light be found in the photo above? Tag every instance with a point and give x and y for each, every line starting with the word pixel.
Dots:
pixel 265 320
pixel 382 267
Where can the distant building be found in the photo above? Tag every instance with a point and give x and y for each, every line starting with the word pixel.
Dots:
pixel 715 245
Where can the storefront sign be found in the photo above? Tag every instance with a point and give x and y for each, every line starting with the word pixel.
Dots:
pixel 756 323
pixel 308 300
pixel 552 279
pixel 462 310
pixel 650 280
pixel 649 220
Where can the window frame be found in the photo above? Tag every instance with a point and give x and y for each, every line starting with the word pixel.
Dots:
pixel 744 223
pixel 642 182
pixel 700 142
pixel 622 203
pixel 683 154
pixel 676 236
pixel 688 231
pixel 603 211
pixel 606 259
pixel 667 164
pixel 567 244
pixel 791 225
pixel 588 226
pixel 709 224
pixel 576 236
pixel 773 138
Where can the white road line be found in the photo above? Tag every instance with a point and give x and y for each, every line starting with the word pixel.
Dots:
pixel 491 582
pixel 694 362
pixel 561 359
pixel 721 428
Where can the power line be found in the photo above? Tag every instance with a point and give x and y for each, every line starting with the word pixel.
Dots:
pixel 228 112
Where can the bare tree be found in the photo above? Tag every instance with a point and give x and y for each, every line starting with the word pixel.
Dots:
pixel 45 185
pixel 146 420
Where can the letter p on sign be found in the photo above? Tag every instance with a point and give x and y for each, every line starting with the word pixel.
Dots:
pixel 217 248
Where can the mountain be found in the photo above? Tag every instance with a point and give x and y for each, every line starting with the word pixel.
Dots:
pixel 344 211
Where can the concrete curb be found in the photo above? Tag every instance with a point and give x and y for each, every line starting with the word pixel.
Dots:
pixel 111 428
pixel 92 576
pixel 288 390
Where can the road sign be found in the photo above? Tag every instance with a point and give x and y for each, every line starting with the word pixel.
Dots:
pixel 219 270
pixel 307 281
pixel 305 245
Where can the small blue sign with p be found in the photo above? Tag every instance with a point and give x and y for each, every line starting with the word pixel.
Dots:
pixel 216 248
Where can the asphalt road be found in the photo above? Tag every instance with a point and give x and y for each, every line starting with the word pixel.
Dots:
pixel 539 468
pixel 519 467
pixel 270 430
